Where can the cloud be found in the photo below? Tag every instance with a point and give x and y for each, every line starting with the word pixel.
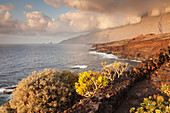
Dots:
pixel 36 21
pixel 54 3
pixel 75 22
pixel 91 15
pixel 28 7
pixel 7 25
pixel 111 6
pixel 167 10
pixel 7 16
pixel 95 21
pixel 155 12
pixel 94 15
pixel 6 7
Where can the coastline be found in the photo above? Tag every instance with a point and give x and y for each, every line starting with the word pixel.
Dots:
pixel 115 97
pixel 140 48
pixel 110 98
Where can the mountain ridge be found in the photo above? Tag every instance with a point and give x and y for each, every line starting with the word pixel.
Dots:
pixel 147 25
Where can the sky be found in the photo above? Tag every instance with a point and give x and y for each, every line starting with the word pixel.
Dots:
pixel 44 21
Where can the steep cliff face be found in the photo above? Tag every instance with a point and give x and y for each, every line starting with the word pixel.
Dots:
pixel 141 47
pixel 147 25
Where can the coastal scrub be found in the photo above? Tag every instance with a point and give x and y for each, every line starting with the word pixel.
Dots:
pixel 46 91
pixel 89 82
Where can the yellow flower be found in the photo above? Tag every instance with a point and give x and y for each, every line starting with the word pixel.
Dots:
pixel 105 63
pixel 92 78
pixel 154 103
pixel 160 98
pixel 100 79
pixel 157 111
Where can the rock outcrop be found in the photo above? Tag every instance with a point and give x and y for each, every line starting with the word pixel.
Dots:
pixel 140 48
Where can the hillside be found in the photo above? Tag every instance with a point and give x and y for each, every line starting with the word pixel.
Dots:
pixel 147 25
pixel 139 48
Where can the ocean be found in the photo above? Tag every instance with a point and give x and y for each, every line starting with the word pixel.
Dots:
pixel 18 61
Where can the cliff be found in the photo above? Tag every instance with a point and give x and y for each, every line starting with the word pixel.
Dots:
pixel 140 48
pixel 147 25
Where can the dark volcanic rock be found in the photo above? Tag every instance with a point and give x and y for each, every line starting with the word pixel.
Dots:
pixel 109 99
pixel 140 48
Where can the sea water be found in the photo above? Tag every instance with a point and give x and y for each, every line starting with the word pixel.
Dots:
pixel 18 61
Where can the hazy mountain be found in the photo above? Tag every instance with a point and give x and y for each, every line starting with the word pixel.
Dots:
pixel 147 25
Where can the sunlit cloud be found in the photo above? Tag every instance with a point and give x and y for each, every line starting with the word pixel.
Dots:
pixel 103 14
pixel 28 7
pixel 111 6
pixel 36 21
pixel 7 25
pixel 54 3
pixel 6 7
pixel 90 15
pixel 71 22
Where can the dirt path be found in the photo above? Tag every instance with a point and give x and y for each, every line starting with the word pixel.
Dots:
pixel 135 96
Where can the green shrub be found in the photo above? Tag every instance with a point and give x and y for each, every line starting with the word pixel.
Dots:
pixel 155 104
pixel 114 70
pixel 89 82
pixel 46 91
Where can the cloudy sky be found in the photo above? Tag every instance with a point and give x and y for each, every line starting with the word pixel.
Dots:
pixel 43 21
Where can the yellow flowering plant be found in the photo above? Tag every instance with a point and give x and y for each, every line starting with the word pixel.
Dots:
pixel 89 82
pixel 114 70
pixel 166 89
pixel 155 104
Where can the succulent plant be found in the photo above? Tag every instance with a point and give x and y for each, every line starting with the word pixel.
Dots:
pixel 114 70
pixel 166 89
pixel 89 82
pixel 155 104
pixel 46 91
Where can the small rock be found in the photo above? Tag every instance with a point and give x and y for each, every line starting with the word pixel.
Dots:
pixel 136 103
pixel 156 79
pixel 134 95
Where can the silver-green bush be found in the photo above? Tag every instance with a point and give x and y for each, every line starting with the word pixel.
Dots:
pixel 46 91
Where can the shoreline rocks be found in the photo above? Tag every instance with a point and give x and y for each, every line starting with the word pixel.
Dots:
pixel 108 99
pixel 140 48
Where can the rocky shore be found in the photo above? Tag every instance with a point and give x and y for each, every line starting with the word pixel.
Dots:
pixel 141 48
pixel 129 91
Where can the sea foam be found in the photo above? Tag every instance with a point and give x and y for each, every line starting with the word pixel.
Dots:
pixel 1 90
pixel 104 55
pixel 79 67
pixel 132 60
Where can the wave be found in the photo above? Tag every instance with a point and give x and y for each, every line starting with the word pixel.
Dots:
pixel 135 60
pixel 79 67
pixel 7 90
pixel 1 90
pixel 104 55
pixel 132 60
